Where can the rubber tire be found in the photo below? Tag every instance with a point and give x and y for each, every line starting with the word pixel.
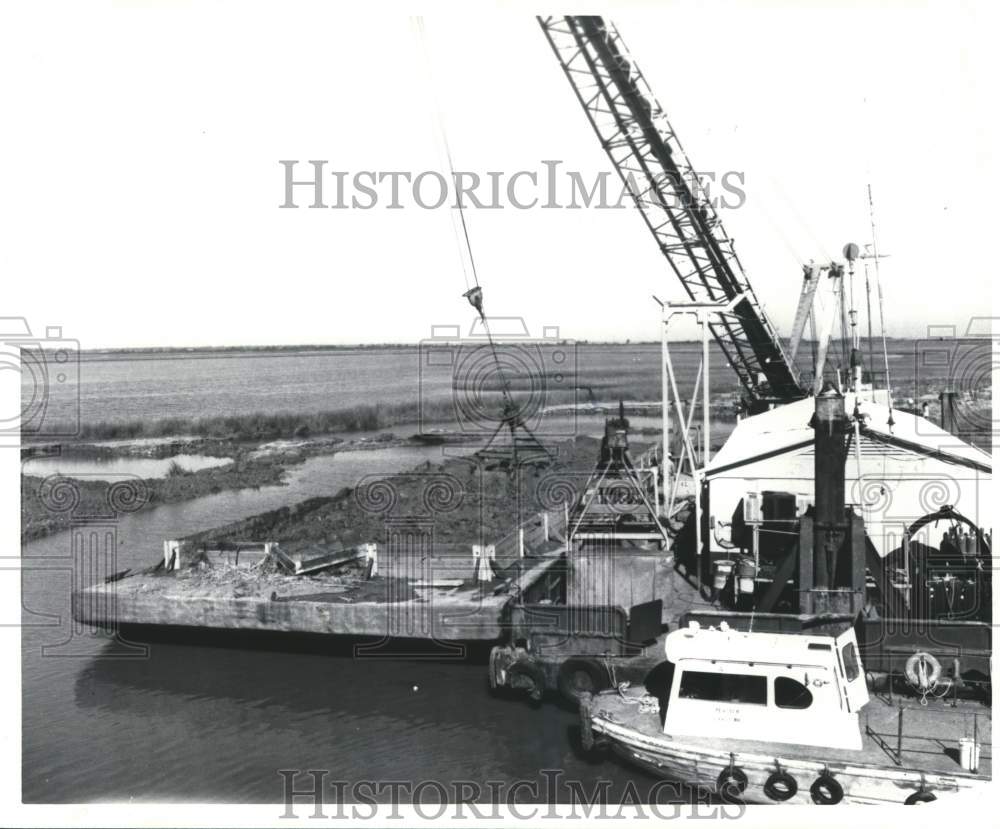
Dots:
pixel 919 797
pixel 788 786
pixel 572 670
pixel 535 674
pixel 731 783
pixel 826 791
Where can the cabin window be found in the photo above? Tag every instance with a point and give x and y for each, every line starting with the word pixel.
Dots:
pixel 743 688
pixel 790 693
pixel 852 670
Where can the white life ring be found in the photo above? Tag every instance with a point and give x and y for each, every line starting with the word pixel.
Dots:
pixel 923 671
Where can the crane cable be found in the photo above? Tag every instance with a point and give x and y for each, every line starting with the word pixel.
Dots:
pixel 474 292
pixel 465 245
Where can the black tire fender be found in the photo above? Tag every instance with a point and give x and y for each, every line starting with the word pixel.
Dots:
pixel 781 786
pixel 731 783
pixel 826 791
pixel 920 796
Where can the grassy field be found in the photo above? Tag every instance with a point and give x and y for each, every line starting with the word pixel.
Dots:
pixel 397 388
pixel 260 425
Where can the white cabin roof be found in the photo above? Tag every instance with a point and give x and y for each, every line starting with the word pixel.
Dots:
pixel 787 427
pixel 734 646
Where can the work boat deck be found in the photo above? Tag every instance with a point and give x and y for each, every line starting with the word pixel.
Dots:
pixel 898 758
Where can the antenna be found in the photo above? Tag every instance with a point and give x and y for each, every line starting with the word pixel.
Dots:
pixel 881 311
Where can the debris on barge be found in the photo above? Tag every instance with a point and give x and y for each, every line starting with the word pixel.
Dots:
pixel 434 554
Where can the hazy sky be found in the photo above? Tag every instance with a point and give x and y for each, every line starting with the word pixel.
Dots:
pixel 142 176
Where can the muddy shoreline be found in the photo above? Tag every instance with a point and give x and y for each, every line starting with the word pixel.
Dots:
pixel 50 504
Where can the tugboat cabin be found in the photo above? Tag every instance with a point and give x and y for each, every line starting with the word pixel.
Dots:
pixel 802 689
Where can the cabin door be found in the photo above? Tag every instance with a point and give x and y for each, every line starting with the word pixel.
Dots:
pixel 852 673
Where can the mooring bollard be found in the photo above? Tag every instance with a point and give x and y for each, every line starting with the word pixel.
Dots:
pixel 171 554
pixel 482 556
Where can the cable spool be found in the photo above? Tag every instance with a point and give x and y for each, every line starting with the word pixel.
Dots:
pixel 923 671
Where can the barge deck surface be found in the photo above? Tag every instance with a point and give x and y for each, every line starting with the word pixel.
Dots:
pixel 382 606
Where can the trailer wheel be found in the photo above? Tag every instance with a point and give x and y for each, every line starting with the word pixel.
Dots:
pixel 581 676
pixel 529 677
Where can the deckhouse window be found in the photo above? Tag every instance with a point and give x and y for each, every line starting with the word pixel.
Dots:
pixel 850 656
pixel 790 693
pixel 742 688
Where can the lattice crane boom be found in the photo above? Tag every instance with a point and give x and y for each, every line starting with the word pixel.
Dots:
pixel 636 135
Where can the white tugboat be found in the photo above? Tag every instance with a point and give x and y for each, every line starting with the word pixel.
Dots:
pixel 787 718
pixel 786 715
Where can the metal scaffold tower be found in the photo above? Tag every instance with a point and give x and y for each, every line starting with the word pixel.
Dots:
pixel 616 502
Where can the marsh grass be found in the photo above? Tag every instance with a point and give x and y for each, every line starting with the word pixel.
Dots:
pixel 261 425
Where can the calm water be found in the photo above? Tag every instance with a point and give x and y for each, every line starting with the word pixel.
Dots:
pixel 96 467
pixel 206 723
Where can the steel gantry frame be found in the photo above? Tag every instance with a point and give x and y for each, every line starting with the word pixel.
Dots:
pixel 645 150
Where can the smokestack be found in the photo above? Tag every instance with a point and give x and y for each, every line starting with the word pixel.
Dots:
pixel 947 398
pixel 831 425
